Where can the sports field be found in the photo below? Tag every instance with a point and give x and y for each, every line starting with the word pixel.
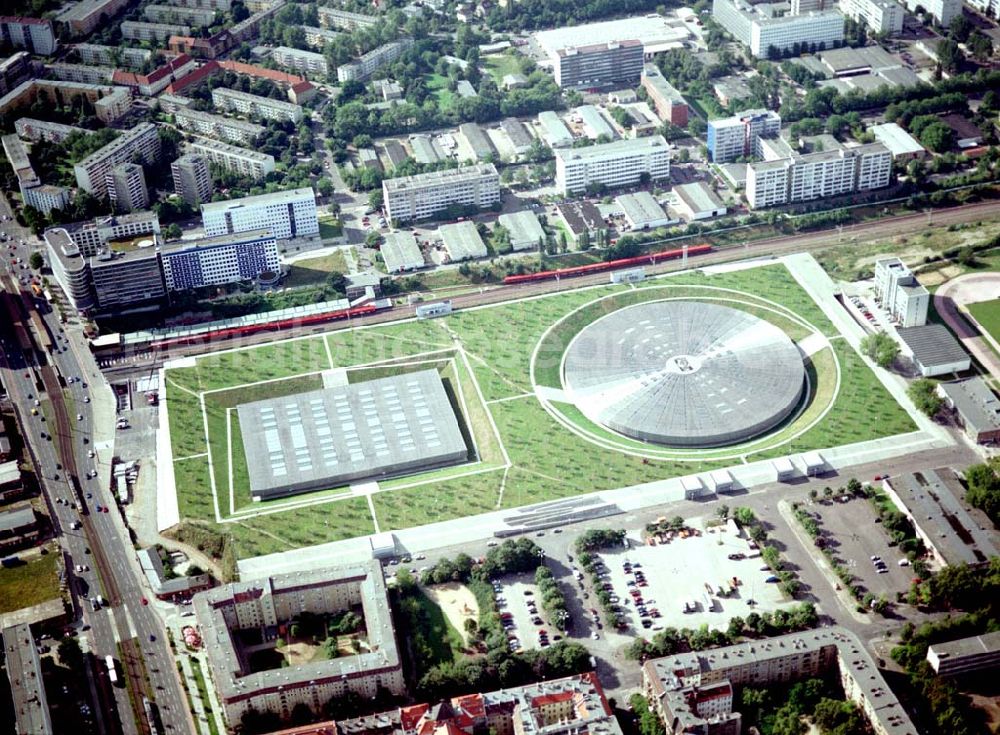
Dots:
pixel 987 313
pixel 523 449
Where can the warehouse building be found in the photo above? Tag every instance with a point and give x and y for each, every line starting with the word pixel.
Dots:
pixel 582 219
pixel 462 241
pixel 594 123
pixel 612 165
pixel 554 130
pixel 287 214
pixel 18 528
pixel 934 350
pixel 478 142
pixel 642 211
pixel 263 606
pixel 365 431
pixel 977 407
pixel 965 655
pixel 903 146
pixel 524 229
pixel 930 499
pixel 421 196
pixel 697 201
pixel 401 252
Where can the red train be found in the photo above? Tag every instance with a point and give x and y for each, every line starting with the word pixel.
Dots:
pixel 276 326
pixel 611 265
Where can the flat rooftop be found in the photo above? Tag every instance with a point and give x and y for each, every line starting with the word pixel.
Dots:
pixel 615 148
pixel 932 344
pixel 641 208
pixel 434 178
pixel 329 437
pixel 699 197
pixel 971 646
pixel 932 498
pixel 24 670
pixel 523 227
pixel 651 30
pixel 278 197
pixel 976 402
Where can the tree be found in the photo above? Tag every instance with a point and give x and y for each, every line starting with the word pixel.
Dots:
pixel 70 654
pixel 194 571
pixel 375 199
pixel 880 348
pixel 172 231
pixel 923 393
pixel 937 136
pixel 325 187
pixel 744 516
pixel 36 261
pixel 723 511
pixel 949 55
pixel 960 28
pixel 813 493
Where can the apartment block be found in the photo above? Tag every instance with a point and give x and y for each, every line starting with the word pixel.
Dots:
pixel 117 56
pixel 668 102
pixel 739 136
pixel 216 260
pixel 192 179
pixel 251 105
pixel 127 190
pixel 31 129
pixel 421 196
pixel 15 70
pixel 27 686
pixel 367 65
pixel 899 292
pixel 218 126
pixel 304 62
pixel 262 605
pixel 46 197
pixel 803 178
pixel 881 16
pixel 133 30
pixel 141 142
pixel 113 106
pixel 596 65
pixel 171 103
pixel 82 73
pixel 130 278
pixel 334 18
pixel 222 5
pixel 319 37
pixel 32 34
pixel 671 681
pixel 242 161
pixel 761 28
pixel 84 16
pixel 52 92
pixel 174 14
pixel 943 11
pixel 612 165
pixel 287 214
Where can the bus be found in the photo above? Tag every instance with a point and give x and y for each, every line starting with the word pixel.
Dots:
pixel 112 672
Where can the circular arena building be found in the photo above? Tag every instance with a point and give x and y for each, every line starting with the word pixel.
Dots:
pixel 684 373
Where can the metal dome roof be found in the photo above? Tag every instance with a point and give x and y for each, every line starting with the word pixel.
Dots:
pixel 684 373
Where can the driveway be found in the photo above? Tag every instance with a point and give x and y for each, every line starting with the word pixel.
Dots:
pixel 950 301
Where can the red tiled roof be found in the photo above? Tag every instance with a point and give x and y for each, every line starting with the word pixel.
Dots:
pixel 545 699
pixel 303 86
pixel 410 716
pixel 261 72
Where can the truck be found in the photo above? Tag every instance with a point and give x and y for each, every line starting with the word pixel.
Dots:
pixel 112 672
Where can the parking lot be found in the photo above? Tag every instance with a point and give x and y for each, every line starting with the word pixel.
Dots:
pixel 669 578
pixel 854 533
pixel 521 611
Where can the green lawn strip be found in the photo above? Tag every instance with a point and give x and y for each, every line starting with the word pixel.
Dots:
pixel 864 410
pixel 312 271
pixel 448 499
pixel 330 228
pixel 500 65
pixel 194 490
pixel 199 678
pixel 187 429
pixel 298 527
pixel 29 584
pixel 437 85
pixel 987 313
pixel 400 366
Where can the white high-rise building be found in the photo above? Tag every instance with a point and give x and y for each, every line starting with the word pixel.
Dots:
pixel 900 293
pixel 365 66
pixel 221 259
pixel 737 136
pixel 760 28
pixel 409 198
pixel 127 190
pixel 33 34
pixel 242 161
pixel 943 11
pixel 141 142
pixel 881 16
pixel 287 214
pixel 803 178
pixel 612 165
pixel 192 179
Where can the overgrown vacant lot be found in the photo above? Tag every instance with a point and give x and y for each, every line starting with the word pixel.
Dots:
pixel 486 358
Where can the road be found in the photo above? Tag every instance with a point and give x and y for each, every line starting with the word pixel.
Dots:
pixel 60 445
pixel 954 295
pixel 771 247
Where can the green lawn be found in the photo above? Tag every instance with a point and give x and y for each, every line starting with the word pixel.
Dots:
pixel 199 678
pixel 437 84
pixel 987 313
pixel 330 227
pixel 500 65
pixel 29 584
pixel 443 641
pixel 546 460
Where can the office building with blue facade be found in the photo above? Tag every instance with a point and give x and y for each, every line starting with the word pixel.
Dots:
pixel 217 260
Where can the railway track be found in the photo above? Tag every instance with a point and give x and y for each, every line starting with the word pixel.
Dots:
pixel 769 247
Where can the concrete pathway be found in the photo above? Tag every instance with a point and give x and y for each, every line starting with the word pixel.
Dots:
pixel 951 300
pixel 194 696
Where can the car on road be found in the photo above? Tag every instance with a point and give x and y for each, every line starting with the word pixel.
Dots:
pixel 79 417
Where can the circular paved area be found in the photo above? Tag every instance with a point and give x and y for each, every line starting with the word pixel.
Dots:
pixel 684 373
